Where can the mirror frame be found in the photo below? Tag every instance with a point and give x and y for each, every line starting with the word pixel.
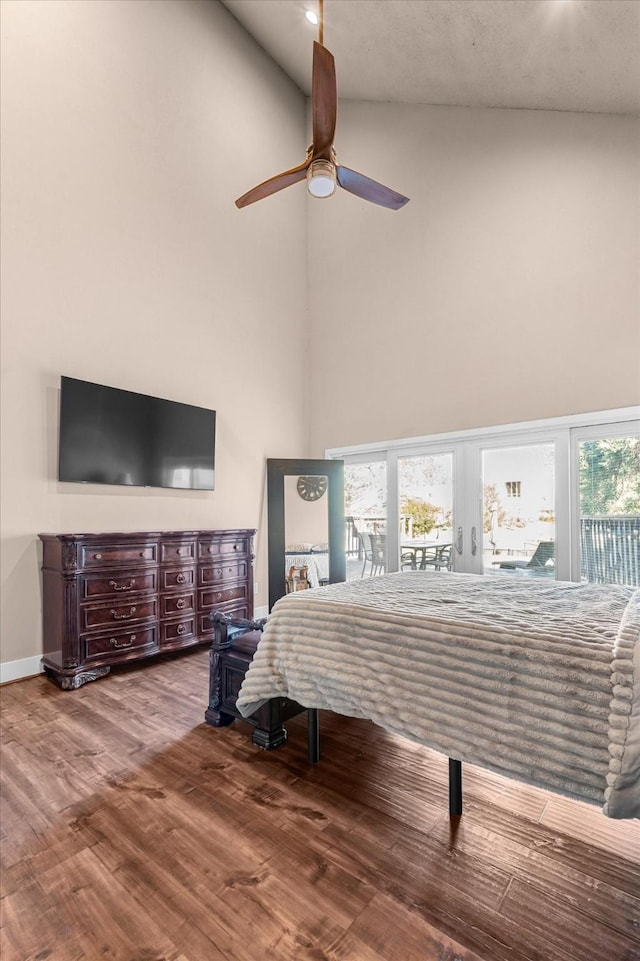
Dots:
pixel 277 470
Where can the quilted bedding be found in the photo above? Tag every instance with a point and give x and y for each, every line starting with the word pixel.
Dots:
pixel 538 681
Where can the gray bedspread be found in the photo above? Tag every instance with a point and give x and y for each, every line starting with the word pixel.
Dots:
pixel 537 680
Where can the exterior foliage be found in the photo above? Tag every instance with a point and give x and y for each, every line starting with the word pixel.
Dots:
pixel 424 516
pixel 610 476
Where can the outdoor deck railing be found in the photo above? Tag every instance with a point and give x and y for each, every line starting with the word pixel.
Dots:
pixel 609 546
pixel 374 525
pixel 610 549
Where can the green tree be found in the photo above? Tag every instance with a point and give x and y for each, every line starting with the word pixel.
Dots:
pixel 610 476
pixel 424 515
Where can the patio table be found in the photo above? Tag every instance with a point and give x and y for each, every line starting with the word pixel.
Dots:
pixel 425 554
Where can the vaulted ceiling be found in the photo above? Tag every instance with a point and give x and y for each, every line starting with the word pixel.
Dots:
pixel 580 55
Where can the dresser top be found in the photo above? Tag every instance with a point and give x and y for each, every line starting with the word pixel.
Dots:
pixel 127 535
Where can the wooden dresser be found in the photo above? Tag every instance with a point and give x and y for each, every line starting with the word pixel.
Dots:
pixel 118 597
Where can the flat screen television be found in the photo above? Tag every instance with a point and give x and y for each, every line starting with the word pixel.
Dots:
pixel 112 436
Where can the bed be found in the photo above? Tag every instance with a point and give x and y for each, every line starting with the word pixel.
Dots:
pixel 538 681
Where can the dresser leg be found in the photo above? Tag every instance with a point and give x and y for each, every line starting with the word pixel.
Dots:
pixel 71 682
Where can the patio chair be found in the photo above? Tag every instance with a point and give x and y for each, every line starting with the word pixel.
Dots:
pixel 438 557
pixel 374 549
pixel 409 559
pixel 541 562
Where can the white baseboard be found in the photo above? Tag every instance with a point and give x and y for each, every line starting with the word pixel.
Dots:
pixel 30 666
pixel 17 670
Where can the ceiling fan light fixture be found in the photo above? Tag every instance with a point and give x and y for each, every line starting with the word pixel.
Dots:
pixel 311 17
pixel 321 178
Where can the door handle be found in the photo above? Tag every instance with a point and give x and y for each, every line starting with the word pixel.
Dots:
pixel 459 541
pixel 474 542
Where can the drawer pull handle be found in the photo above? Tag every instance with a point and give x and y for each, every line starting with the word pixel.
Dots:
pixel 179 551
pixel 180 604
pixel 235 547
pixel 143 553
pixel 122 617
pixel 97 557
pixel 120 644
pixel 123 587
pixel 181 629
pixel 180 579
pixel 210 549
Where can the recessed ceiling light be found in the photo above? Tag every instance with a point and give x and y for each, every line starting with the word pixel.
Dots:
pixel 311 17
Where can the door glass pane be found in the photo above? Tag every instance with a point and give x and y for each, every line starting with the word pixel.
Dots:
pixel 425 485
pixel 365 495
pixel 518 500
pixel 610 510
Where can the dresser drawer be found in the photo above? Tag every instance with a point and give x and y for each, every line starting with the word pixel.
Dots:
pixel 176 603
pixel 237 608
pixel 178 631
pixel 213 597
pixel 218 548
pixel 120 613
pixel 129 554
pixel 136 642
pixel 182 551
pixel 120 583
pixel 181 577
pixel 223 572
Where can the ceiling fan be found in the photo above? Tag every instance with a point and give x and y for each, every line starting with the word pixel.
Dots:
pixel 320 167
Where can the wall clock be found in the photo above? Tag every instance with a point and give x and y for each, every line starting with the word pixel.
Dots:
pixel 312 488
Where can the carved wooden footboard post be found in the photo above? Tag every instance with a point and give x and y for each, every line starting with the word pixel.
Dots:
pixel 213 714
pixel 234 644
pixel 455 787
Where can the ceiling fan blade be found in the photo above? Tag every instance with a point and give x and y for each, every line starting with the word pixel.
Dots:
pixel 274 184
pixel 369 189
pixel 324 101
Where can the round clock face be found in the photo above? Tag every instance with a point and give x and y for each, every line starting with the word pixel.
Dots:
pixel 312 488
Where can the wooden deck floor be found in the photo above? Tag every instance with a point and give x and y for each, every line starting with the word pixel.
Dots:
pixel 131 831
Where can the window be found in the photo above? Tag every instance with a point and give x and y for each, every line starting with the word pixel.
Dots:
pixel 573 514
pixel 608 469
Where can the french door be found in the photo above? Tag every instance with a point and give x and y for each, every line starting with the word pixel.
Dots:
pixel 491 506
pixel 550 500
pixel 517 506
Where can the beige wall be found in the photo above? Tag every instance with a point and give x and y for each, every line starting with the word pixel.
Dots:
pixel 506 290
pixel 128 129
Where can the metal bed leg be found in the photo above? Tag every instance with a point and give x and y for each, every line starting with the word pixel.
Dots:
pixel 455 787
pixel 313 735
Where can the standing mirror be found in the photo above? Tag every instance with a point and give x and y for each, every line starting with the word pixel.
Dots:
pixel 306 524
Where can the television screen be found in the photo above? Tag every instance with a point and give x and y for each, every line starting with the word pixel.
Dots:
pixel 112 436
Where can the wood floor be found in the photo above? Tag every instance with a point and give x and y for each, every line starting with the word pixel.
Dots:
pixel 132 831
